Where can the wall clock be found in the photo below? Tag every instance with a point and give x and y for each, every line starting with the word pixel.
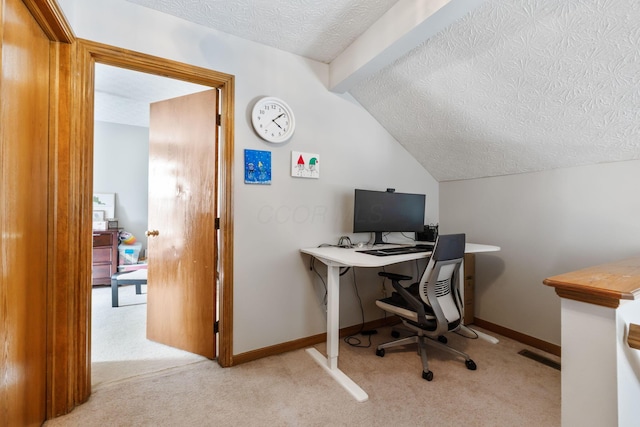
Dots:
pixel 273 119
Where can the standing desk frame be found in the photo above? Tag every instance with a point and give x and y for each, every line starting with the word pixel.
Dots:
pixel 335 258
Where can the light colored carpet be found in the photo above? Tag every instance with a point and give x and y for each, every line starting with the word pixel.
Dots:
pixel 119 347
pixel 291 390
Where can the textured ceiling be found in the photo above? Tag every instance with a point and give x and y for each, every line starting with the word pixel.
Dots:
pixel 511 87
pixel 517 86
pixel 123 96
pixel 318 30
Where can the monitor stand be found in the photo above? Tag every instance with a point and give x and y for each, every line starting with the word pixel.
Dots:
pixel 378 238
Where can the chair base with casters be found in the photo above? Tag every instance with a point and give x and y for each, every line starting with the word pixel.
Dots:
pixel 431 307
pixel 422 340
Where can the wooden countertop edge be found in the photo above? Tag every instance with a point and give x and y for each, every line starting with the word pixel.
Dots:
pixel 605 284
pixel 599 296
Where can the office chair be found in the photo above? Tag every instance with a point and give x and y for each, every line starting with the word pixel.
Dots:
pixel 432 307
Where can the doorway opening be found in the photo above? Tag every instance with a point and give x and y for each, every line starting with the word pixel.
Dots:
pixel 119 346
pixel 90 54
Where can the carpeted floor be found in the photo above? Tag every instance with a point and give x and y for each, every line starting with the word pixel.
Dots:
pixel 507 389
pixel 119 348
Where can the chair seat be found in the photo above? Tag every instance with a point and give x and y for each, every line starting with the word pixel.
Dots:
pixel 390 306
pixel 396 305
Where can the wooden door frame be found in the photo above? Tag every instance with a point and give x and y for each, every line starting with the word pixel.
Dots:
pixel 85 55
pixel 70 189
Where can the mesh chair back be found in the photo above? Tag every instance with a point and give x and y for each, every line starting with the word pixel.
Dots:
pixel 439 285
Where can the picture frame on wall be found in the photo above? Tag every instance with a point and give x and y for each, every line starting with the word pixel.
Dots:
pixel 257 167
pixel 98 215
pixel 105 202
pixel 305 165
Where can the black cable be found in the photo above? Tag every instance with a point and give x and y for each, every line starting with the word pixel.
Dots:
pixel 410 238
pixel 312 267
pixel 468 337
pixel 353 340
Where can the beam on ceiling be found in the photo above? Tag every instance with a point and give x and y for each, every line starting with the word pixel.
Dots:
pixel 405 26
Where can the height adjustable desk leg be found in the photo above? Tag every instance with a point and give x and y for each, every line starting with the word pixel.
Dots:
pixel 466 330
pixel 330 363
pixel 472 333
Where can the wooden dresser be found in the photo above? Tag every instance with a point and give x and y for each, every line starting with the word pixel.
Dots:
pixel 105 256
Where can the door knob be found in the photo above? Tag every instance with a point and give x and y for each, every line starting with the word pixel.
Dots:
pixel 152 233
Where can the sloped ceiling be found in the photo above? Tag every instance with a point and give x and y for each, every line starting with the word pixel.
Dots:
pixel 507 87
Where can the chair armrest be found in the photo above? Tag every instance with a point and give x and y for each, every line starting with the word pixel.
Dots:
pixel 394 276
pixel 415 303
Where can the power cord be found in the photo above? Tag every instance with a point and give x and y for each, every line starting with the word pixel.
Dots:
pixel 474 337
pixel 353 340
pixel 312 267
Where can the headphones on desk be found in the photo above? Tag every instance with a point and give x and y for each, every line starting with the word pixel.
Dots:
pixel 345 242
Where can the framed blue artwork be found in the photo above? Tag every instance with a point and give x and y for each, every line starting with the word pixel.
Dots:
pixel 257 167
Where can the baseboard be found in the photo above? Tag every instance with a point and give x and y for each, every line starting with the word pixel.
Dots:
pixel 351 330
pixel 302 343
pixel 520 337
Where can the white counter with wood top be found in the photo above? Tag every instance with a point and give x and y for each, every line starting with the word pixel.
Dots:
pixel 600 344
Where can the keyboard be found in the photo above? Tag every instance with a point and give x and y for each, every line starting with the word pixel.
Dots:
pixel 398 251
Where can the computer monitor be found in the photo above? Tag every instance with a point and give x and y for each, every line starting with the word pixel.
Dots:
pixel 387 211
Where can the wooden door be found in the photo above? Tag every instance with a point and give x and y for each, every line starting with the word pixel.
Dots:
pixel 181 287
pixel 24 147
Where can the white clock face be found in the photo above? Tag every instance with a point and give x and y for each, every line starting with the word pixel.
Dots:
pixel 273 120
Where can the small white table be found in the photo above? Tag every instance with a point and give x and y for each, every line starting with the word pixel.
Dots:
pixel 136 277
pixel 335 258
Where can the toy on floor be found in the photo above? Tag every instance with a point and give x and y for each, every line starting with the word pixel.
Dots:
pixel 127 238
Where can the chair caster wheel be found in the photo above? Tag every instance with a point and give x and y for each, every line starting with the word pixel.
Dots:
pixel 395 334
pixel 380 352
pixel 471 365
pixel 427 375
pixel 442 339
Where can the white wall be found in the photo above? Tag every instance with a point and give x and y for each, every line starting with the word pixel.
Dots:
pixel 628 365
pixel 121 166
pixel 547 223
pixel 276 297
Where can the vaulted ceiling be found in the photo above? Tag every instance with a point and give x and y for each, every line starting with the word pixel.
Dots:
pixel 470 88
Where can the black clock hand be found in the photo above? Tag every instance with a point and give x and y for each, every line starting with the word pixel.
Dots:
pixel 274 120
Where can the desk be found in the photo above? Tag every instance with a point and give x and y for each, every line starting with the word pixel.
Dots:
pixel 335 258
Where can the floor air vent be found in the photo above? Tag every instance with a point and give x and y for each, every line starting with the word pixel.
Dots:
pixel 533 356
